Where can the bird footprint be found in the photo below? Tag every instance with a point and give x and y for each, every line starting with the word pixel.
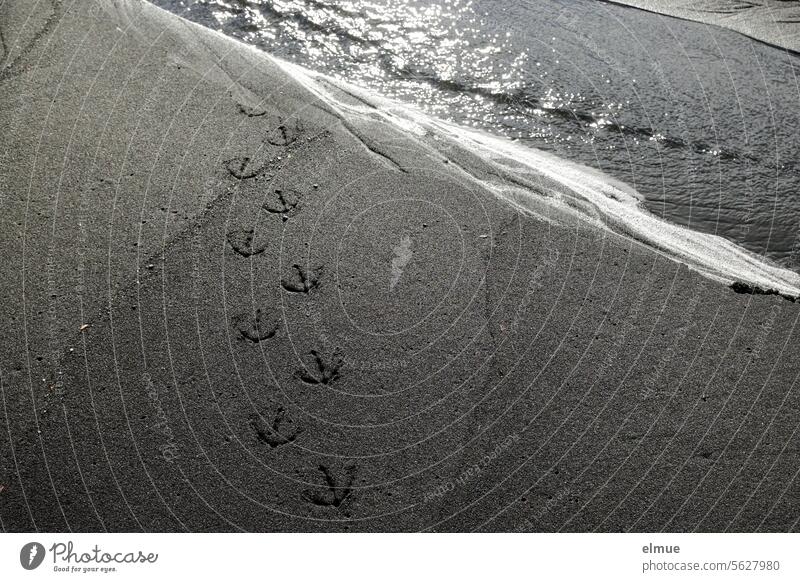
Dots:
pixel 241 242
pixel 255 329
pixel 273 435
pixel 338 490
pixel 243 168
pixel 285 203
pixel 305 281
pixel 286 133
pixel 327 372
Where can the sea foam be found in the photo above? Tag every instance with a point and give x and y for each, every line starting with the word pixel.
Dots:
pixel 530 179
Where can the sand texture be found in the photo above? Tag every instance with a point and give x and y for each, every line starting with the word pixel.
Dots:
pixel 775 22
pixel 228 306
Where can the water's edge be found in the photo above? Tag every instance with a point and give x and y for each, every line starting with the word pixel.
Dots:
pixel 772 22
pixel 532 180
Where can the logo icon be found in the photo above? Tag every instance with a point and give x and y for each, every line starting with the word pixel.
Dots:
pixel 31 555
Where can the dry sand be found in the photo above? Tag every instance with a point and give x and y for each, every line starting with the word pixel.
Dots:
pixel 227 307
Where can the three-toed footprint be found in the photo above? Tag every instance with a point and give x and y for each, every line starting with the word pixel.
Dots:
pixel 256 327
pixel 286 203
pixel 304 280
pixel 326 373
pixel 273 435
pixel 286 132
pixel 241 241
pixel 336 490
pixel 243 168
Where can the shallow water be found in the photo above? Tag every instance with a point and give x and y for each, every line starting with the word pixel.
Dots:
pixel 702 121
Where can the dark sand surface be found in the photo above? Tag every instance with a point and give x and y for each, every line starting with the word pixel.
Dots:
pixel 438 361
pixel 776 22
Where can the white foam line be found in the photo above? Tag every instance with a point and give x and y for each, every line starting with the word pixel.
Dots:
pixel 616 205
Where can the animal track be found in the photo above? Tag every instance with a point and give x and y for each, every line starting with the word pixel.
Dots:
pixel 327 373
pixel 251 111
pixel 337 493
pixel 306 281
pixel 243 168
pixel 241 242
pixel 272 435
pixel 286 133
pixel 285 203
pixel 255 329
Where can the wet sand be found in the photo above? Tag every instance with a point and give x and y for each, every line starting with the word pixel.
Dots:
pixel 228 307
pixel 774 22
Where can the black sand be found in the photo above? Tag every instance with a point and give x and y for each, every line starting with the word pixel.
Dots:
pixel 263 354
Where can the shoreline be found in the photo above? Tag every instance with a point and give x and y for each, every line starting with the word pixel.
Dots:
pixel 326 317
pixel 531 180
pixel 773 22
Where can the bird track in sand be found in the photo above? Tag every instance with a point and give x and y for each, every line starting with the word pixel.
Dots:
pixel 286 203
pixel 241 241
pixel 336 493
pixel 327 370
pixel 305 282
pixel 253 328
pixel 272 435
